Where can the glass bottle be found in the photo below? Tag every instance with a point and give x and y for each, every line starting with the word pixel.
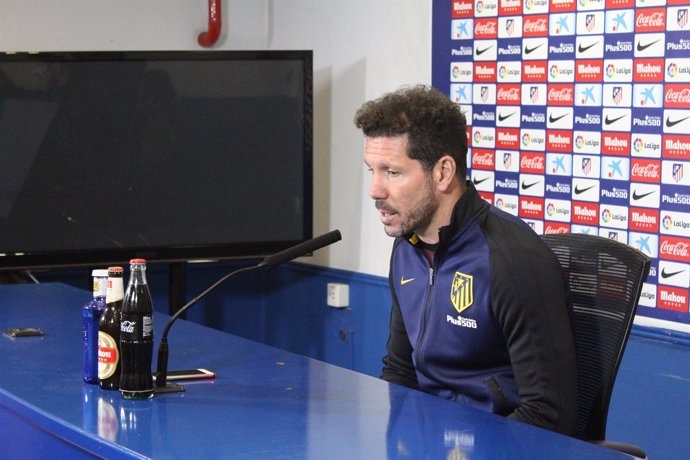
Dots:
pixel 136 335
pixel 91 316
pixel 109 362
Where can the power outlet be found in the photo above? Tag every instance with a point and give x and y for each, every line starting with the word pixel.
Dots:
pixel 338 295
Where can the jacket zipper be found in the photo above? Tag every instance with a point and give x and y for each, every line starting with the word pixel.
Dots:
pixel 427 311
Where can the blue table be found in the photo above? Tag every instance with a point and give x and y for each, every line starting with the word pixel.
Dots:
pixel 265 402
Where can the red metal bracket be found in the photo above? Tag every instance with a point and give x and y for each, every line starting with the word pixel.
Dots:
pixel 209 38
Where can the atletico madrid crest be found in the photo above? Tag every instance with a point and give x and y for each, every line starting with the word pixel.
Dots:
pixel 461 291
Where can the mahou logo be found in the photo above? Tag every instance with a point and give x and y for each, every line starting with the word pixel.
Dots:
pixel 536 26
pixel 559 140
pixel 644 220
pixel 462 8
pixel 672 248
pixel 676 147
pixel 508 94
pixel 486 28
pixel 531 207
pixel 585 213
pixel 485 71
pixel 483 159
pixel 650 20
pixel 677 96
pixel 532 163
pixel 560 95
pixel 671 298
pixel 645 171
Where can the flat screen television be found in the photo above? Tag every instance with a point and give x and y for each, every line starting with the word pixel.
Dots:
pixel 169 156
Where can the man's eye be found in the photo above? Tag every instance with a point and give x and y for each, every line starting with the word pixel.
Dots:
pixel 392 173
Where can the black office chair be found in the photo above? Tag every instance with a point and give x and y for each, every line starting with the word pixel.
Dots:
pixel 604 278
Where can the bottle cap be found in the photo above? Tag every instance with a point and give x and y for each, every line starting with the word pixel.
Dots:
pixel 99 273
pixel 137 261
pixel 115 270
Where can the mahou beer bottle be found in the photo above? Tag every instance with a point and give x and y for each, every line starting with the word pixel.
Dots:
pixel 136 335
pixel 109 331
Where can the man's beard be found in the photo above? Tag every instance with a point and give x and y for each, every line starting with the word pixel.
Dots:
pixel 417 219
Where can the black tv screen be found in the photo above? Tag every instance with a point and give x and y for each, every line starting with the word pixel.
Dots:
pixel 163 155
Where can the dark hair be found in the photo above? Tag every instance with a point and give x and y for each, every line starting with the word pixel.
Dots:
pixel 434 124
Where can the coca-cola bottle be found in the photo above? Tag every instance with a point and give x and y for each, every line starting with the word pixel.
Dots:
pixel 136 335
pixel 109 331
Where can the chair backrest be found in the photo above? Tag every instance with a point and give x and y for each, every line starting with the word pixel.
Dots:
pixel 604 279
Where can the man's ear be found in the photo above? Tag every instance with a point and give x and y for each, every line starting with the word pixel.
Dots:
pixel 444 172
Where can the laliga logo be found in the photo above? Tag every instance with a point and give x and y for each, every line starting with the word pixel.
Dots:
pixel 583 3
pixel 551 209
pixel 480 6
pixel 456 71
pixel 502 71
pixel 553 71
pixel 526 140
pixel 667 222
pixel 638 145
pixel 579 142
pixel 477 137
pixel 610 71
pixel 672 70
pixel 606 216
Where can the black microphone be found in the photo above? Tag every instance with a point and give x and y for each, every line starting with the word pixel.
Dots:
pixel 301 249
pixel 271 261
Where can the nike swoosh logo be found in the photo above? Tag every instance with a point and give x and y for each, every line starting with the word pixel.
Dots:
pixel 502 117
pixel 404 281
pixel 665 274
pixel 609 121
pixel 480 52
pixel 671 124
pixel 579 190
pixel 479 181
pixel 526 186
pixel 641 47
pixel 530 50
pixel 553 119
pixel 637 196
pixel 582 49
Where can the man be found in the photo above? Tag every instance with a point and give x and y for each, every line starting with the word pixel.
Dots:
pixel 479 313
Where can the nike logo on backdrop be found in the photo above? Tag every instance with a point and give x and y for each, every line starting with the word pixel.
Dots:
pixel 671 124
pixel 526 186
pixel 553 119
pixel 531 50
pixel 639 196
pixel 480 52
pixel 502 117
pixel 582 49
pixel 479 181
pixel 610 121
pixel 579 190
pixel 665 274
pixel 641 47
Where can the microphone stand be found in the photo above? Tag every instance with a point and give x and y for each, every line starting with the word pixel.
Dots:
pixel 162 385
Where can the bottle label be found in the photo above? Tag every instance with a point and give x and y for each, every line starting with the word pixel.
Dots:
pixel 108 355
pixel 134 328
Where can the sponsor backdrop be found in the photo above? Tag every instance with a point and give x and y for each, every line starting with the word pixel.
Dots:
pixel 579 121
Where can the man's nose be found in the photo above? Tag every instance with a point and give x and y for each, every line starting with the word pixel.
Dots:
pixel 377 190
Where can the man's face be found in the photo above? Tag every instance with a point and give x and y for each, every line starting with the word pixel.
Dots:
pixel 402 191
